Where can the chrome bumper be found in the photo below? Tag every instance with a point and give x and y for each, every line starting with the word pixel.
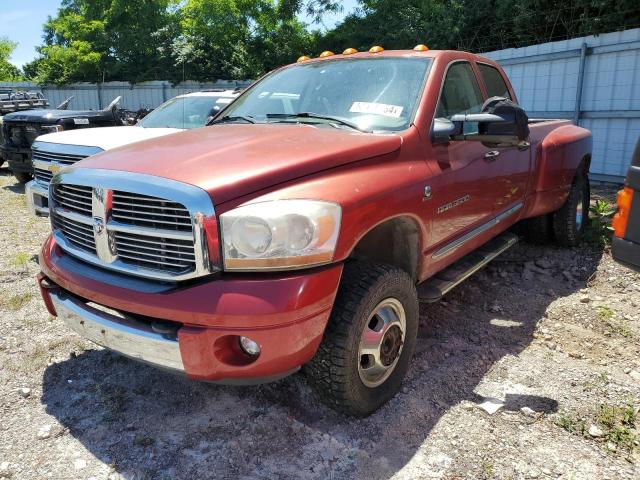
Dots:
pixel 123 335
pixel 37 199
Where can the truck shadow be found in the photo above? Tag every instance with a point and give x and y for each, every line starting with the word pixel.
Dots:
pixel 150 424
pixel 16 187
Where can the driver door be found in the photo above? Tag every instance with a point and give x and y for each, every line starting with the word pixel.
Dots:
pixel 463 191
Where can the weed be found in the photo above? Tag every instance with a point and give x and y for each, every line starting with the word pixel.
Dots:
pixel 619 425
pixel 599 231
pixel 21 260
pixel 571 423
pixel 605 313
pixel 16 302
pixel 487 468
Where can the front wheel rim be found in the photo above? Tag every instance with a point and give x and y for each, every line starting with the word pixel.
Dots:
pixel 381 342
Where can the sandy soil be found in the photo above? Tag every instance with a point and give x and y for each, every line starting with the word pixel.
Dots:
pixel 550 334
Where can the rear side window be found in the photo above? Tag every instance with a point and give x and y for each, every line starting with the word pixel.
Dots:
pixel 460 92
pixel 493 81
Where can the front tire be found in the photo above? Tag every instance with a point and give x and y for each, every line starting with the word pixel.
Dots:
pixel 571 220
pixel 369 340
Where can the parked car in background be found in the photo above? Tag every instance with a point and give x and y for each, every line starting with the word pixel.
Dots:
pixel 626 223
pixel 302 226
pixel 55 151
pixel 14 101
pixel 20 129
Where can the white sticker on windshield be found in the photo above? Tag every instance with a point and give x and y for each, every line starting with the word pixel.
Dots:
pixel 81 121
pixel 377 108
pixel 224 100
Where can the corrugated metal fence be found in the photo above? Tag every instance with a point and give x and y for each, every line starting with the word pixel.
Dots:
pixel 592 80
pixel 145 94
pixel 595 81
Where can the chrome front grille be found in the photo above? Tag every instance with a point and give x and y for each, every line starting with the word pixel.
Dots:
pixel 137 224
pixel 74 198
pixel 79 234
pixel 50 158
pixel 42 176
pixel 150 212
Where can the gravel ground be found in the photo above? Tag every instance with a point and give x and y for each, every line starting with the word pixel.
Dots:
pixel 549 336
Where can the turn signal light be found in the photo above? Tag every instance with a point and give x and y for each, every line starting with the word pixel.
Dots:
pixel 303 58
pixel 326 53
pixel 350 51
pixel 376 49
pixel 421 48
pixel 621 219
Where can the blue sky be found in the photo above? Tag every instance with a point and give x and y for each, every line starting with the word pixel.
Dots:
pixel 21 21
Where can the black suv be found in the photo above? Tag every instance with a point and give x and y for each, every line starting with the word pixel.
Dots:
pixel 626 223
pixel 20 129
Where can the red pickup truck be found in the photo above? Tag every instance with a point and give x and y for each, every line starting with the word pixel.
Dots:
pixel 301 227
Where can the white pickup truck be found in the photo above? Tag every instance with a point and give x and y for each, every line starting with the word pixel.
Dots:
pixel 55 151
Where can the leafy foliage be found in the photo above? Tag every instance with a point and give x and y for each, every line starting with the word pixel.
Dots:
pixel 102 40
pixel 8 72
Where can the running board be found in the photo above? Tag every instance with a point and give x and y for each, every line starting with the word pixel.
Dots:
pixel 433 289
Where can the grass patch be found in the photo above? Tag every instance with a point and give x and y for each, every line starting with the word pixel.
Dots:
pixel 21 260
pixel 619 425
pixel 605 313
pixel 571 423
pixel 16 302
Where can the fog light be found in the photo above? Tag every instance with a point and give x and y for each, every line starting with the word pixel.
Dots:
pixel 249 346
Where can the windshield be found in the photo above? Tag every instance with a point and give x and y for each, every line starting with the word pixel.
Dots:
pixel 185 112
pixel 372 94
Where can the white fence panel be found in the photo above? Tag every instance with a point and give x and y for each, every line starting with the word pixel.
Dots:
pixel 546 79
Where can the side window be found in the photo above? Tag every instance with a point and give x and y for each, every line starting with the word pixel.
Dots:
pixel 496 87
pixel 460 94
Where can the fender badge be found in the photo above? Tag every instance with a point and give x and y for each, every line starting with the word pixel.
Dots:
pixel 427 193
pixel 454 204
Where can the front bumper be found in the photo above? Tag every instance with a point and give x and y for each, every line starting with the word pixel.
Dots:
pixel 37 199
pixel 124 335
pixel 285 314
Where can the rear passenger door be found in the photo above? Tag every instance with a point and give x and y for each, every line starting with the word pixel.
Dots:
pixel 462 194
pixel 510 166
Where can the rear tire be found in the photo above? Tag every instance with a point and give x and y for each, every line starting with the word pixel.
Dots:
pixel 376 310
pixel 22 177
pixel 571 220
pixel 537 230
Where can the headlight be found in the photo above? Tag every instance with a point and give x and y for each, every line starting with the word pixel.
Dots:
pixel 280 234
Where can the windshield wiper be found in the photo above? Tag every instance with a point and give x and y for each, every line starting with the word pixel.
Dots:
pixel 233 118
pixel 319 117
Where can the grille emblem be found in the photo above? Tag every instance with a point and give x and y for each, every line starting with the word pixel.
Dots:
pixel 98 225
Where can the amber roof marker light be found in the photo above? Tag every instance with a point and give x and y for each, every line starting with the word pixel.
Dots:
pixel 326 53
pixel 421 48
pixel 303 58
pixel 350 51
pixel 376 49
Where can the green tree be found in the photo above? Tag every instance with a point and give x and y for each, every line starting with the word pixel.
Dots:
pixel 95 40
pixel 8 71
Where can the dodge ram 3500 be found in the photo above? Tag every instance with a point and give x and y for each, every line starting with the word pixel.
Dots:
pixel 55 151
pixel 301 227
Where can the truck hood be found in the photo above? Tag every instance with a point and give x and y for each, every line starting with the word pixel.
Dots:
pixel 105 138
pixel 52 115
pixel 229 161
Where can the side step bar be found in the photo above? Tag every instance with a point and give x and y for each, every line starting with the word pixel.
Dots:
pixel 433 289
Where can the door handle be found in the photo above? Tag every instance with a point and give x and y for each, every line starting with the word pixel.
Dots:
pixel 491 155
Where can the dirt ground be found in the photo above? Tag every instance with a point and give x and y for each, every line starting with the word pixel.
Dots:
pixel 551 335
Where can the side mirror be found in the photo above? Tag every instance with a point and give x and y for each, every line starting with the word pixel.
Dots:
pixel 504 123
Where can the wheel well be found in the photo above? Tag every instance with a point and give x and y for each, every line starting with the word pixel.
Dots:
pixel 395 242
